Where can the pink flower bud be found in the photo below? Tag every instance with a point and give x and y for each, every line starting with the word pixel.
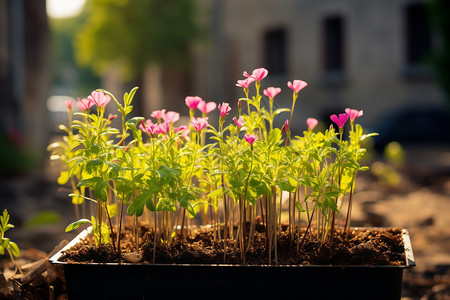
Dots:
pixel 245 83
pixel 192 101
pixel 100 99
pixel 206 108
pixel 84 104
pixel 257 74
pixel 199 123
pixel 239 122
pixel 271 92
pixel 224 108
pixel 159 114
pixel 149 127
pixel 69 103
pixel 297 85
pixel 171 117
pixel 163 128
pixel 183 130
pixel 285 127
pixel 311 122
pixel 250 138
pixel 353 113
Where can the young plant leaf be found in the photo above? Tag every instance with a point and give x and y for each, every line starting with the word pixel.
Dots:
pixel 77 224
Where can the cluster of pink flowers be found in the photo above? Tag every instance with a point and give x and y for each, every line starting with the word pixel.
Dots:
pixel 343 118
pixel 166 119
pixel 162 116
pixel 97 98
pixel 164 124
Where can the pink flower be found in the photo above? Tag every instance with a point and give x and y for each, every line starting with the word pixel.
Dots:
pixel 163 128
pixel 250 138
pixel 100 99
pixel 148 127
pixel 245 83
pixel 311 122
pixel 353 113
pixel 192 101
pixel 171 117
pixel 183 129
pixel 199 123
pixel 224 108
pixel 257 74
pixel 297 85
pixel 69 103
pixel 271 92
pixel 84 104
pixel 340 121
pixel 159 114
pixel 206 108
pixel 239 122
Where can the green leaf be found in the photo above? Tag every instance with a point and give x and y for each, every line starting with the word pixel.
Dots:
pixel 280 110
pixel 90 182
pixel 137 206
pixel 84 197
pixel 101 191
pixel 77 224
pixel 164 204
pixel 217 193
pixel 275 136
pixel 133 122
pixel 128 110
pixel 5 242
pixel 299 207
pixel 14 249
pixel 128 97
pixel 169 175
pixel 287 186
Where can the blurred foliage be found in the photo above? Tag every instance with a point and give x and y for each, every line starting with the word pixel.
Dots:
pixel 46 217
pixel 132 34
pixel 440 22
pixel 388 172
pixel 394 154
pixel 63 57
pixel 15 158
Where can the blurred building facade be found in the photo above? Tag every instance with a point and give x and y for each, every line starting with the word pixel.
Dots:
pixel 24 76
pixel 362 54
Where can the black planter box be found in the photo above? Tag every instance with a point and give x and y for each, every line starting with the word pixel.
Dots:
pixel 162 281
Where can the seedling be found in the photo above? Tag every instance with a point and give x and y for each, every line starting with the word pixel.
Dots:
pixel 164 174
pixel 6 244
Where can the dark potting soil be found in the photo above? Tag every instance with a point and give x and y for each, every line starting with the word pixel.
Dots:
pixel 374 246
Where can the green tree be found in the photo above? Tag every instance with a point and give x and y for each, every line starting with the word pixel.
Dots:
pixel 133 34
pixel 63 57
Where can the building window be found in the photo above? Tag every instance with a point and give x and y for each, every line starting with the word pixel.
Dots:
pixel 418 33
pixel 276 51
pixel 333 44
